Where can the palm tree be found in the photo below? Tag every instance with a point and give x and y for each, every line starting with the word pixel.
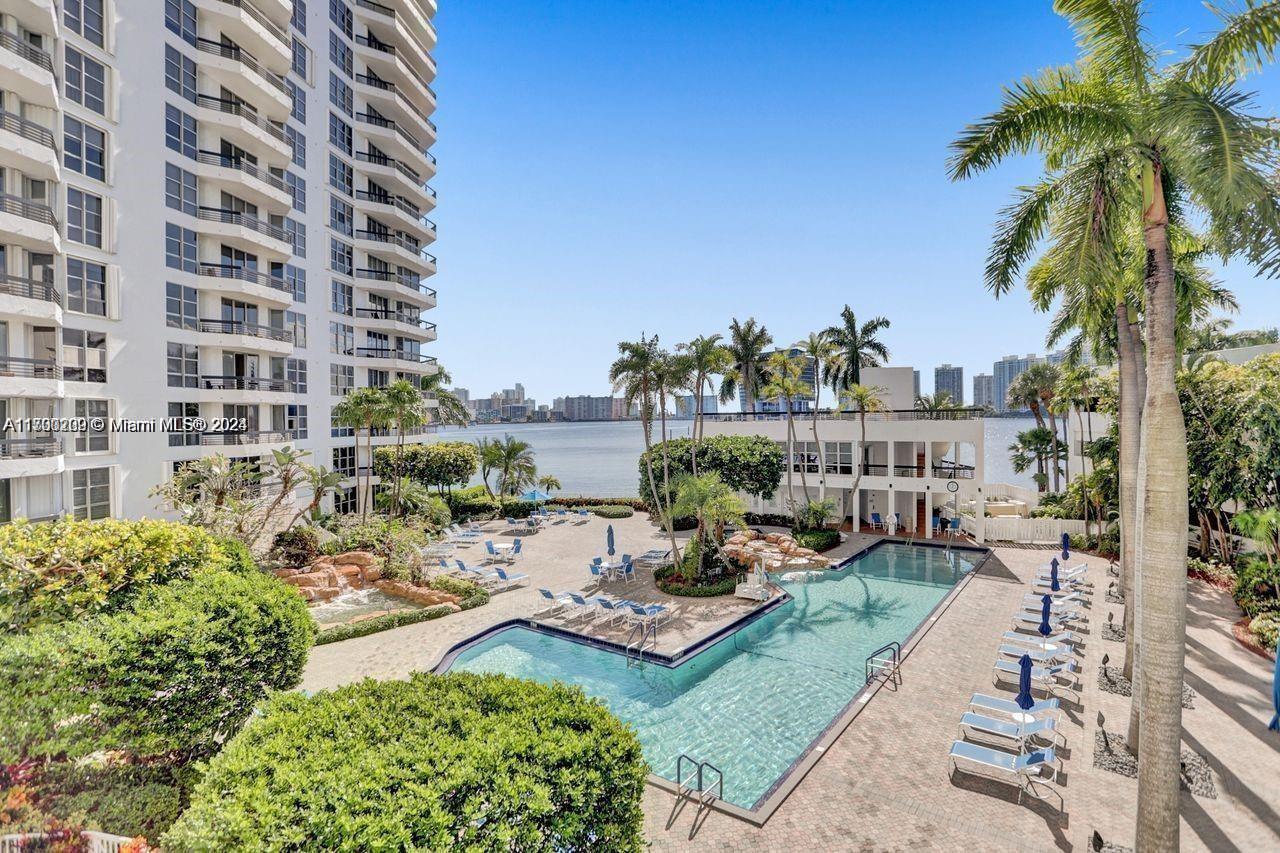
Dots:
pixel 670 373
pixel 449 409
pixel 489 453
pixel 363 409
pixel 407 410
pixel 858 346
pixel 824 357
pixel 549 483
pixel 863 399
pixel 515 465
pixel 1124 141
pixel 1022 393
pixel 747 342
pixel 1076 390
pixel 707 357
pixel 939 401
pixel 785 385
pixel 1043 380
pixel 1034 447
pixel 713 505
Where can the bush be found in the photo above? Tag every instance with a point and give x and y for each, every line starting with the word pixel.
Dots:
pixel 61 570
pixel 435 516
pixel 765 519
pixel 474 502
pixel 385 622
pixel 512 508
pixel 392 539
pixel 611 511
pixel 1257 586
pixel 1213 571
pixel 747 463
pixel 672 582
pixel 447 762
pixel 174 675
pixel 635 503
pixel 473 595
pixel 127 800
pixel 298 546
pixel 818 540
pixel 440 463
pixel 1266 627
pixel 686 522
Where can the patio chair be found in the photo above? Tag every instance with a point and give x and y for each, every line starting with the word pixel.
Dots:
pixel 597 574
pixel 994 704
pixel 1057 606
pixel 1072 617
pixel 1019 770
pixel 1029 621
pixel 1040 657
pixel 512 524
pixel 652 557
pixel 1067 639
pixel 612 611
pixel 595 561
pixel 515 549
pixel 586 609
pixel 877 523
pixel 1017 733
pixel 491 552
pixel 655 613
pixel 562 515
pixel 583 516
pixel 1044 677
pixel 507 581
pixel 1076 572
pixel 556 602
pixel 628 571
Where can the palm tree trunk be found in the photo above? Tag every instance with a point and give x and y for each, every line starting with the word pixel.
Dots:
pixel 1130 426
pixel 666 479
pixel 1053 460
pixel 804 478
pixel 822 462
pixel 791 464
pixel 1162 478
pixel 697 418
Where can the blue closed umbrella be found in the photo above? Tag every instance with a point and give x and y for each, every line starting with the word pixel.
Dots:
pixel 1066 546
pixel 1023 698
pixel 1045 604
pixel 1053 577
pixel 1275 697
pixel 608 538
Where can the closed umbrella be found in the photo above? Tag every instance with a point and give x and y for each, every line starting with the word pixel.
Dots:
pixel 1024 699
pixel 608 538
pixel 1275 697
pixel 1066 546
pixel 1045 603
pixel 1053 577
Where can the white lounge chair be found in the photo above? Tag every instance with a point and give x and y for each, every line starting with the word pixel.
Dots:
pixel 507 581
pixel 555 602
pixel 1029 621
pixel 1055 616
pixel 996 705
pixel 1017 732
pixel 1040 657
pixel 1020 770
pixel 1046 678
pixel 1056 605
pixel 1065 639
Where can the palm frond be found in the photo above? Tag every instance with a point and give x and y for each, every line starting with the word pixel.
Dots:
pixel 1018 232
pixel 1246 42
pixel 1111 35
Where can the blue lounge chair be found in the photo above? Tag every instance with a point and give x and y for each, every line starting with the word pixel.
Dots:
pixel 611 610
pixel 1045 678
pixel 628 571
pixel 654 613
pixel 877 523
pixel 595 561
pixel 1020 770
pixel 507 581
pixel 515 549
pixel 994 704
pixel 556 601
pixel 1016 732
pixel 586 609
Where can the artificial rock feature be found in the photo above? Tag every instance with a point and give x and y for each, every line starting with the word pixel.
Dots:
pixel 328 577
pixel 780 551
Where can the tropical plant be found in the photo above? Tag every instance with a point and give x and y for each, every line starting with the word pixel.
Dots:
pixel 487 450
pixel 939 401
pixel 858 346
pixel 746 463
pixel 405 497
pixel 549 483
pixel 747 342
pixel 786 386
pixel 515 466
pixel 363 409
pixel 862 399
pixel 825 358
pixel 707 357
pixel 815 515
pixel 1263 527
pixel 1034 448
pixel 442 464
pixel 714 505
pixel 1126 141
pixel 449 409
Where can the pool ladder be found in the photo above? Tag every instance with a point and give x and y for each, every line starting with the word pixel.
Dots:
pixel 885 661
pixel 697 781
pixel 647 640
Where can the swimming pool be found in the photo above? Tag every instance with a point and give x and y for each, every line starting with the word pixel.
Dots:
pixel 754 702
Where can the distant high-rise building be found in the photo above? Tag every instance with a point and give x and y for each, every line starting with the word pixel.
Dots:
pixel 983 395
pixel 950 379
pixel 799 404
pixel 1003 372
pixel 1056 357
pixel 586 408
pixel 687 405
pixel 915 377
pixel 620 412
pixel 463 395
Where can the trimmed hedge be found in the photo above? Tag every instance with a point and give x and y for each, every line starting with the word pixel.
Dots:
pixel 453 762
pixel 610 511
pixel 513 508
pixel 385 622
pixel 470 503
pixel 671 582
pixel 818 540
pixel 767 519
pixel 129 800
pixel 747 463
pixel 582 500
pixel 174 675
pixel 66 569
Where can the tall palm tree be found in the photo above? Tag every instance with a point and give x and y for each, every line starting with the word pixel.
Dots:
pixel 549 483
pixel 707 357
pixel 939 401
pixel 1022 393
pixel 515 465
pixel 858 346
pixel 671 372
pixel 490 458
pixel 747 342
pixel 1124 140
pixel 824 357
pixel 363 409
pixel 862 399
pixel 786 386
pixel 407 410
pixel 449 409
pixel 1042 380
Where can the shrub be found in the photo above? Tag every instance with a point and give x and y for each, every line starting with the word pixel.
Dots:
pixel 635 503
pixel 440 463
pixel 128 800
pixel 474 502
pixel 1257 586
pixel 297 546
pixel 670 581
pixel 612 511
pixel 468 591
pixel 387 621
pixel 766 519
pixel 55 571
pixel 818 540
pixel 747 463
pixel 447 762
pixel 1266 627
pixel 237 554
pixel 174 675
pixel 512 508
pixel 435 515
pixel 392 539
pixel 1213 571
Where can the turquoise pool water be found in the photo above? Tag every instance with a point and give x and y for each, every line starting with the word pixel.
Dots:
pixel 755 701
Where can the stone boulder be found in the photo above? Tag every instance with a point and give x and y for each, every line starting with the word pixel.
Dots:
pixel 356 558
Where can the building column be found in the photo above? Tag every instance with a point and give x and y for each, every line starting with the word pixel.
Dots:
pixel 980 516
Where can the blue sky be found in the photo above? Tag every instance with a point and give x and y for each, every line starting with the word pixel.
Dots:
pixel 608 168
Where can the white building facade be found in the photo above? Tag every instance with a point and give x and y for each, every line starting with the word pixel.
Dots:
pixel 917 464
pixel 213 209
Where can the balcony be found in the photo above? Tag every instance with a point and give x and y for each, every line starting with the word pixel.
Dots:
pixel 225 439
pixel 30 457
pixel 263 285
pixel 31 146
pixel 34 368
pixel 390 96
pixel 401 317
pixel 405 176
pixel 29 288
pixel 252 336
pixel 396 283
pixel 411 28
pixel 28 223
pixel 391 354
pixel 262 185
pixel 233 66
pixel 28 70
pixel 244 383
pixel 248 25
pixel 242 123
pixel 389 133
pixel 246 222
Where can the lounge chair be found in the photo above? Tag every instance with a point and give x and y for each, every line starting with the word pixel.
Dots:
pixel 994 704
pixel 877 523
pixel 652 557
pixel 1020 770
pixel 587 609
pixel 628 571
pixel 515 550
pixel 611 610
pixel 655 613
pixel 1028 621
pixel 556 602
pixel 1056 605
pixel 1040 657
pixel 562 515
pixel 1017 732
pixel 583 516
pixel 1044 677
pixel 507 581
pixel 1067 639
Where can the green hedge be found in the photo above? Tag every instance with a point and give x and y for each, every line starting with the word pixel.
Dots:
pixel 818 540
pixel 582 500
pixel 385 622
pixel 513 508
pixel 128 800
pixel 747 463
pixel 62 570
pixel 174 675
pixel 469 503
pixel 610 511
pixel 1257 587
pixel 454 762
pixel 673 583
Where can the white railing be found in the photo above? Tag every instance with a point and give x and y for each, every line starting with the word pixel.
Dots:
pixel 97 842
pixel 1046 531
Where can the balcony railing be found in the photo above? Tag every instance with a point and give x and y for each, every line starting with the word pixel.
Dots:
pixel 374 44
pixel 29 448
pixel 244 220
pixel 238 54
pixel 244 111
pixel 390 162
pixel 213 158
pixel 390 124
pixel 244 383
pixel 18 285
pixel 853 415
pixel 395 317
pixel 258 15
pixel 242 273
pixel 28 209
pixel 253 330
pixel 388 86
pixel 377 7
pixel 34 368
pixel 376 82
pixel 396 238
pixel 946 471
pixel 255 436
pixel 398 354
pixel 29 52
pixel 28 129
pixel 391 200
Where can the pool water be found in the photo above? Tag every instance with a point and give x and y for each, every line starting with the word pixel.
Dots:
pixel 754 702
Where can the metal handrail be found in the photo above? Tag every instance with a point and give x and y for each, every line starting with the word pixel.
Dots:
pixel 244 220
pixel 391 352
pixel 242 274
pixel 214 158
pixel 390 162
pixel 28 129
pixel 388 86
pixel 244 57
pixel 28 209
pixel 242 110
pixel 399 202
pixel 395 316
pixel 398 238
pixel 29 448
pixel 244 383
pixel 239 327
pixel 875 663
pixel 26 51
pixel 35 368
pixel 853 415
pixel 259 16
pixel 18 285
pixel 257 436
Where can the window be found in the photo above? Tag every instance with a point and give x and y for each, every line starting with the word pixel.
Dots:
pixel 179 131
pixel 340 94
pixel 84 149
pixel 183 414
pixel 340 14
pixel 180 306
pixel 299 60
pixel 179 248
pixel 295 278
pixel 297 187
pixel 379 378
pixel 838 457
pixel 94 440
pixel 183 366
pixel 86 287
pixel 344 461
pixel 341 216
pixel 297 145
pixel 91 493
pixel 299 99
pixel 86 81
pixel 179 189
pixel 180 18
pixel 339 53
pixel 295 420
pixel 297 235
pixel 342 378
pixel 179 73
pixel 84 356
pixel 295 371
pixel 84 217
pixel 296 322
pixel 342 298
pixel 340 257
pixel 340 175
pixel 344 500
pixel 299 18
pixel 340 134
pixel 84 17
pixel 342 338
pixel 337 431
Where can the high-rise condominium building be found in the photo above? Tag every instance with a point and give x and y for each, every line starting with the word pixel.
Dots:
pixel 950 380
pixel 211 209
pixel 983 395
pixel 1003 372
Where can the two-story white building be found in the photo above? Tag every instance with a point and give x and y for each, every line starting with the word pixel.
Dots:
pixel 917 464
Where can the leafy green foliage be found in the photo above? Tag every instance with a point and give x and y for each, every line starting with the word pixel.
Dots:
pixel 746 463
pixel 385 622
pixel 66 569
pixel 448 762
pixel 1266 627
pixel 675 581
pixel 635 503
pixel 611 511
pixel 1257 587
pixel 395 540
pixel 474 502
pixel 173 675
pixel 297 546
pixel 818 540
pixel 439 463
pixel 511 508
pixel 129 800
